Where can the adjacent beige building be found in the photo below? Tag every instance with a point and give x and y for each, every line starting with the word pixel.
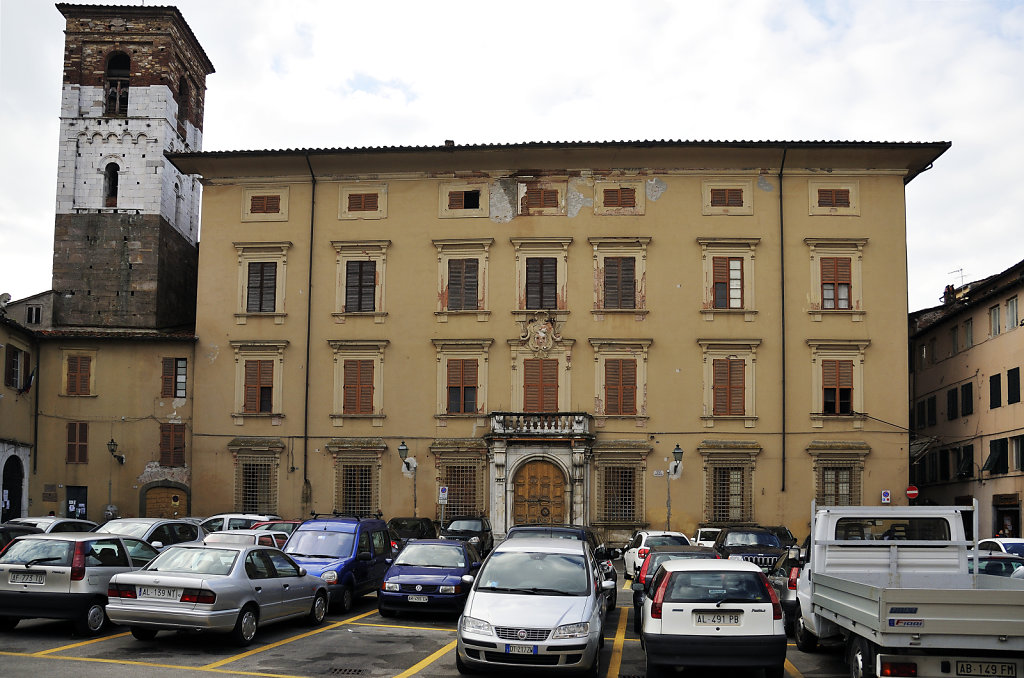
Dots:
pixel 541 325
pixel 966 400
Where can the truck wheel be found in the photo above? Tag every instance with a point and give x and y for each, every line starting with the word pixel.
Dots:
pixel 861 658
pixel 805 640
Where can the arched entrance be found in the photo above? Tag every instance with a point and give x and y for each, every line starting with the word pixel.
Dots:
pixel 165 502
pixel 539 493
pixel 13 485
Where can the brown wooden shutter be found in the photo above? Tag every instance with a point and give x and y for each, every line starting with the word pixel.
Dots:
pixel 456 200
pixel 612 282
pixel 78 375
pixel 727 197
pixel 620 197
pixel 77 442
pixel 833 197
pixel 737 387
pixel 531 385
pixel 10 368
pixel 720 270
pixel 729 387
pixel 363 202
pixel 251 400
pixel 843 269
pixel 828 270
pixel 720 368
pixel 613 387
pixel 167 377
pixel 829 373
pixel 26 371
pixel 845 373
pixel 537 198
pixel 166 445
pixel 358 389
pixel 265 204
pixel 549 385
pixel 540 385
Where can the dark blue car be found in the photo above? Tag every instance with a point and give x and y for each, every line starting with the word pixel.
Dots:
pixel 430 575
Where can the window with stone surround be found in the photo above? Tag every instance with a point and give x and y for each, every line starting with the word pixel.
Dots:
pixel 79 373
pixel 839 197
pixel 358 380
pixel 17 367
pixel 461 376
pixel 728 272
pixel 837 279
pixel 116 84
pixel 262 273
pixel 838 471
pixel 620 377
pixel 837 380
pixel 542 198
pixel 620 274
pixel 619 198
pixel 541 273
pixel 620 493
pixel 265 203
pixel 256 481
pixel 463 200
pixel 363 201
pixel 729 383
pixel 464 473
pixel 259 376
pixel 357 483
pixel 728 480
pixel 361 267
pixel 462 277
pixel 722 197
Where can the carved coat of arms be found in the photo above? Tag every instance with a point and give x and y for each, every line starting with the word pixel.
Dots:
pixel 540 335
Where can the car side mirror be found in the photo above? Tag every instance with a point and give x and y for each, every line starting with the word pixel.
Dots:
pixel 637 586
pixel 794 553
pixel 364 555
pixel 607 585
pixel 157 544
pixel 302 572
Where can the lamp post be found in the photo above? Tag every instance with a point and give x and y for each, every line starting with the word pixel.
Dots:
pixel 674 467
pixel 403 452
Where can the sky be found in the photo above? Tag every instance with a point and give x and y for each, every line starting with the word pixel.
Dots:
pixel 339 74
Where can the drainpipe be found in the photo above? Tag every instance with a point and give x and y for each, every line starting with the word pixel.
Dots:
pixel 782 277
pixel 307 490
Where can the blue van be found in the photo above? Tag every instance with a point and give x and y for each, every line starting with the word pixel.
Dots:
pixel 351 554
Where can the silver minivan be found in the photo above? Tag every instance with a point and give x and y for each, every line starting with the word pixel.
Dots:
pixel 65 576
pixel 537 603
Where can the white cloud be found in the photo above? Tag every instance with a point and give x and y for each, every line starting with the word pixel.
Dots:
pixel 314 73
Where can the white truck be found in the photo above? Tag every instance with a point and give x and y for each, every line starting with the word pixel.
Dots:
pixel 893 583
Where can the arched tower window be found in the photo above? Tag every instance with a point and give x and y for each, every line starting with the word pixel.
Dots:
pixel 183 100
pixel 110 185
pixel 177 204
pixel 116 84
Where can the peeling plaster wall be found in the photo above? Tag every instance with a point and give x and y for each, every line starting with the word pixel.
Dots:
pixel 502 200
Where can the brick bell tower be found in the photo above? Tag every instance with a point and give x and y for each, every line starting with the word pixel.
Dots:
pixel 125 247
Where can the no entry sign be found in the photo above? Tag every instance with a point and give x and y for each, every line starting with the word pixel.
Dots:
pixel 912 492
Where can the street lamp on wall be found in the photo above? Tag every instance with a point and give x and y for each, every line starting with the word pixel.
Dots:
pixel 112 448
pixel 409 465
pixel 674 468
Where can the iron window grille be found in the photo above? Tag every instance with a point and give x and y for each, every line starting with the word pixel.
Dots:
pixel 256 484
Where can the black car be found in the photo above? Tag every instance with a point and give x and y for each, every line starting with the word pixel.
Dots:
pixel 786 537
pixel 474 529
pixel 645 575
pixel 410 528
pixel 756 545
pixel 8 532
pixel 603 554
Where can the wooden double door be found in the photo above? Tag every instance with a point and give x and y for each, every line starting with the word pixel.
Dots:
pixel 539 494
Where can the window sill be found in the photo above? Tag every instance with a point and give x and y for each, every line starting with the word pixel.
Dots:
pixel 481 315
pixel 442 419
pixel 600 313
pixel 378 316
pixel 748 313
pixel 376 419
pixel 243 318
pixel 600 420
pixel 78 395
pixel 522 313
pixel 855 315
pixel 857 420
pixel 240 417
pixel 748 420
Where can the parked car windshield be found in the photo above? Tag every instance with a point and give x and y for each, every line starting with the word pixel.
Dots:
pixel 320 544
pixel 541 573
pixel 196 560
pixel 547 533
pixel 751 539
pixel 227 538
pixel 132 529
pixel 431 555
pixel 667 540
pixel 705 587
pixel 410 524
pixel 470 525
pixel 38 551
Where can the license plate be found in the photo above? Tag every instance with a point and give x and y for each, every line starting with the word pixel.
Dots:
pixel 418 599
pixel 521 649
pixel 717 619
pixel 986 669
pixel 28 577
pixel 157 592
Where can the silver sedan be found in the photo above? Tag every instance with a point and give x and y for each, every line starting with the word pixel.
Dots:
pixel 225 587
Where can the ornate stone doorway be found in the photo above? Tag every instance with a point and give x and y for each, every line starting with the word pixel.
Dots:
pixel 539 493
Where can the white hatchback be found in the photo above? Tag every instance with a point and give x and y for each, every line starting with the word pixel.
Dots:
pixel 713 613
pixel 640 545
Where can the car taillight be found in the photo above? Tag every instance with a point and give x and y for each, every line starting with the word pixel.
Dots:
pixel 642 553
pixel 394 545
pixel 794 574
pixel 776 605
pixel 78 562
pixel 898 669
pixel 120 590
pixel 659 598
pixel 198 596
pixel 718 555
pixel 642 577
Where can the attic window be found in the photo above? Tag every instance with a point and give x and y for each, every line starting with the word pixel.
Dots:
pixel 464 200
pixel 620 197
pixel 537 197
pixel 727 197
pixel 833 197
pixel 362 202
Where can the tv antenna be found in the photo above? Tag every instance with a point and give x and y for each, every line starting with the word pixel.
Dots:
pixel 960 272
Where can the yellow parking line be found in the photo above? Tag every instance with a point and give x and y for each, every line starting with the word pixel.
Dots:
pixel 620 636
pixel 398 626
pixel 416 668
pixel 627 584
pixel 74 645
pixel 279 643
pixel 126 662
pixel 792 670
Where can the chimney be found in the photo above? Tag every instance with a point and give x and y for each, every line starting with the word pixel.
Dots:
pixel 949 295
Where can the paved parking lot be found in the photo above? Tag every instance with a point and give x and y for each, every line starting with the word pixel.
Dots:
pixel 360 643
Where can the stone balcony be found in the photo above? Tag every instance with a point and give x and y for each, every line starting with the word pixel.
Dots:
pixel 567 425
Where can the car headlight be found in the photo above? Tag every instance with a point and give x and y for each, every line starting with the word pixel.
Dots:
pixel 448 589
pixel 477 626
pixel 330 576
pixel 392 586
pixel 735 557
pixel 580 630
